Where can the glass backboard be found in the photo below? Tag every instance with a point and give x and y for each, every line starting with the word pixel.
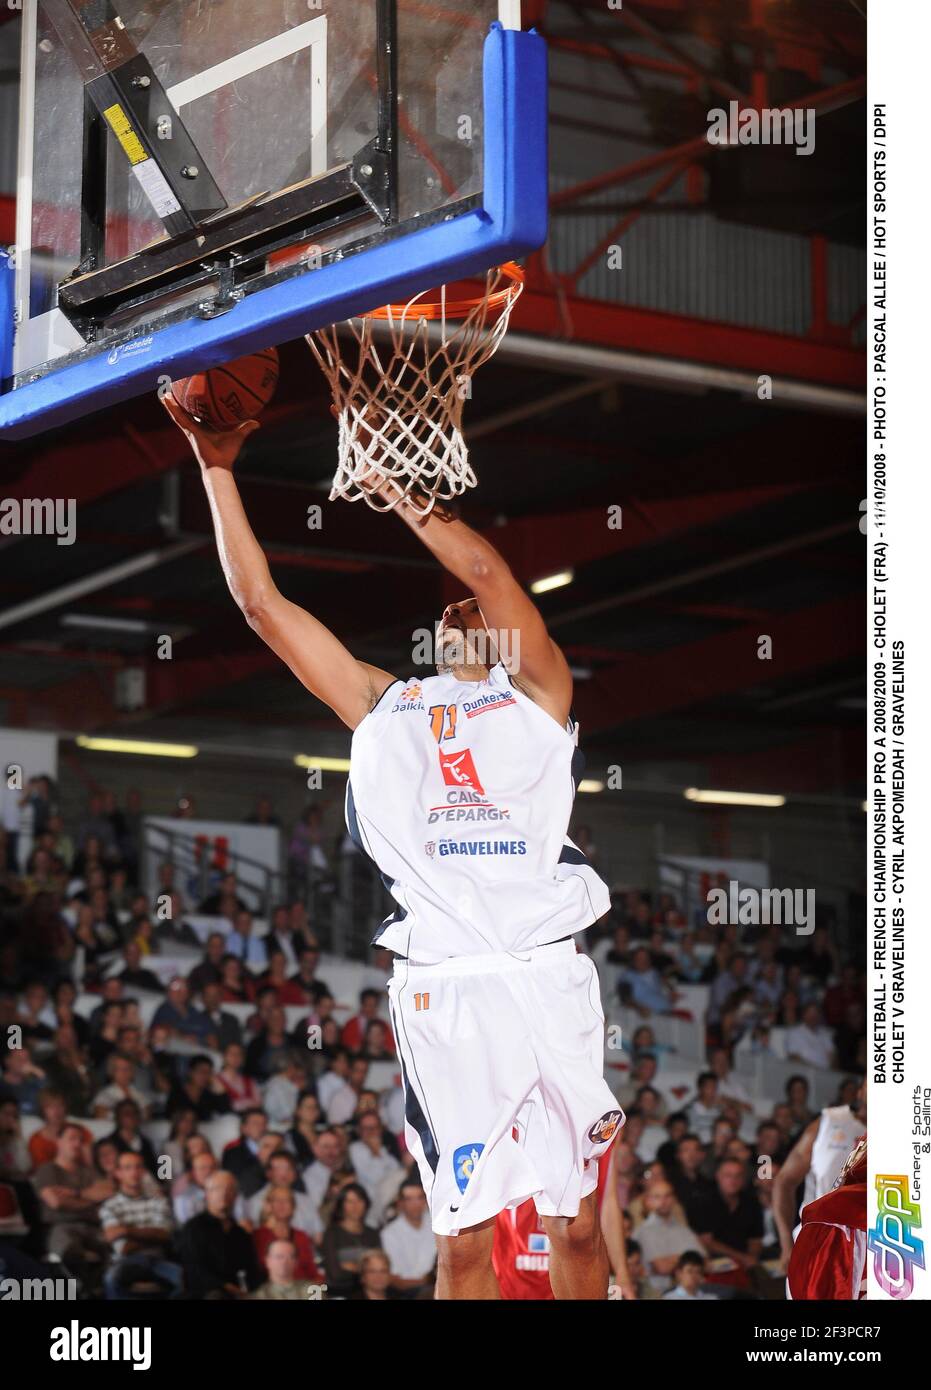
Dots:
pixel 177 157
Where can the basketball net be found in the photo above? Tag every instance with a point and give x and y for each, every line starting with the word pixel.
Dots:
pixel 400 378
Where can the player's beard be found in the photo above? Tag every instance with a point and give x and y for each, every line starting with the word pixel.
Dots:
pixel 465 651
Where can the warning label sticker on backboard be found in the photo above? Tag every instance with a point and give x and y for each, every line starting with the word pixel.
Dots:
pixel 156 188
pixel 122 128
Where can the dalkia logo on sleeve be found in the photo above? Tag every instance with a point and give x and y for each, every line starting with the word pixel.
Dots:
pixel 77 1343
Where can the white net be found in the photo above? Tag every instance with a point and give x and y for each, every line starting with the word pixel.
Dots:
pixel 400 380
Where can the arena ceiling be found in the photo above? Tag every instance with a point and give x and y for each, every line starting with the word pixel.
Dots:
pixel 740 517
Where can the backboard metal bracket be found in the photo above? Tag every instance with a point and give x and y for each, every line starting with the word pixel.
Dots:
pixel 459 242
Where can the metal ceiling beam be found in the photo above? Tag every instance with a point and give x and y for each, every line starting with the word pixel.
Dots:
pixel 650 685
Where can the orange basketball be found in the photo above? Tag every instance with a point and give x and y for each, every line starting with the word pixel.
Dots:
pixel 227 396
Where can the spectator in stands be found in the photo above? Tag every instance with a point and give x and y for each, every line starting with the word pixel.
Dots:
pixel 726 983
pixel 662 1238
pixel 643 1071
pixel 819 959
pixel 648 1106
pixel 677 1127
pixel 730 1087
pixel 371 1161
pixel 225 901
pixel 237 983
pixel 689 965
pixel 408 1242
pixel 96 825
pixel 209 970
pixel 688 1276
pixel 353 1033
pixel 329 1159
pixel 307 1121
pixel 218 1256
pixel 647 992
pixel 305 981
pixel 16 1158
pixel 849 989
pixel 307 859
pixel 180 1017
pixel 122 1074
pixel 643 1288
pixel 277 1222
pixel 348 1237
pixel 43 1142
pixel 244 1091
pixel 242 1157
pixel 770 1143
pixel 183 1126
pixel 134 975
pixel 798 1092
pixel 377 1045
pixel 270 1047
pixel 281 1170
pixel 730 1220
pixel 67 1071
pixel 138 1228
pixel 374 1278
pixel 189 1192
pixel 70 1192
pixel 200 1091
pixel 284 1283
pixel 263 813
pixel 127 1137
pixel 23 1080
pixel 705 1108
pixel 244 944
pixel 691 1186
pixel 810 1041
pixel 276 977
pixel 850 1038
pixel 283 1089
pixel 224 1025
pixel 723 1131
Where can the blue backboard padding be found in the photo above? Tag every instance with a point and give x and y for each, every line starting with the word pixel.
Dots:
pixel 511 223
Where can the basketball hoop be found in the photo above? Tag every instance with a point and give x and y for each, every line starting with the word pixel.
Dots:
pixel 401 396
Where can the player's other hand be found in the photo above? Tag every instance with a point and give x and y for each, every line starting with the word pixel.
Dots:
pixel 212 448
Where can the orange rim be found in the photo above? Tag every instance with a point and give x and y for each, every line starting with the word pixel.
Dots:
pixel 452 308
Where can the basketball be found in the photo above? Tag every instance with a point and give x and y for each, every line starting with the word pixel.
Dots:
pixel 227 396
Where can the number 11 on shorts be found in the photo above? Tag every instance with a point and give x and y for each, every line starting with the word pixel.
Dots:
pixel 421 1003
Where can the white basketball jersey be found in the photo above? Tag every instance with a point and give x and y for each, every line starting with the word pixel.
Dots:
pixel 461 793
pixel 838 1131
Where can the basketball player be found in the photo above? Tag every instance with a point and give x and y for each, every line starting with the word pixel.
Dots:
pixel 828 1258
pixel 818 1157
pixel 460 790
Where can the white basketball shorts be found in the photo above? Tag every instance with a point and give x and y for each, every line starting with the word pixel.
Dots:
pixel 505 1096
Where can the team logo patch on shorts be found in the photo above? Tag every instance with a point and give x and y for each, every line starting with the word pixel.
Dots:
pixel 464 1161
pixel 604 1130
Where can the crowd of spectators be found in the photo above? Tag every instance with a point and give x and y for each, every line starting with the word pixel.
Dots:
pixel 233 1130
pixel 215 1134
pixel 691 1181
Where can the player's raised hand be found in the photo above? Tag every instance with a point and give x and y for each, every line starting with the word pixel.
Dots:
pixel 212 448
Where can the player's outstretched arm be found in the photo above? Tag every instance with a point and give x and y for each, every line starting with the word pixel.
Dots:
pixel 314 654
pixel 535 661
pixel 785 1186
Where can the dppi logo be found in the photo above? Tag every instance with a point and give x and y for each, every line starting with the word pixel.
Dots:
pixel 897 1251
